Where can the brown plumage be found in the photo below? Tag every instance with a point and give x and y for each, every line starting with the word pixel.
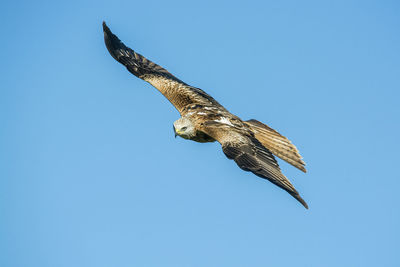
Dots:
pixel 251 144
pixel 277 144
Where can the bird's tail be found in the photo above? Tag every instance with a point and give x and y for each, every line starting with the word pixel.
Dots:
pixel 277 144
pixel 134 62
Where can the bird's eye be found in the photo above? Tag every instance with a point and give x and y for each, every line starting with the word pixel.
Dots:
pixel 183 128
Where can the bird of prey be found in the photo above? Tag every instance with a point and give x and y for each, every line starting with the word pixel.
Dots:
pixel 251 144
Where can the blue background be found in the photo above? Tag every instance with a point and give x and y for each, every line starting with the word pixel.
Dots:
pixel 90 172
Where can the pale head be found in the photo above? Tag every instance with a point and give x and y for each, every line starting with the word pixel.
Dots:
pixel 184 128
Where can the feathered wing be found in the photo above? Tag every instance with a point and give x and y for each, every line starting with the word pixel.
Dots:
pixel 176 91
pixel 250 155
pixel 277 144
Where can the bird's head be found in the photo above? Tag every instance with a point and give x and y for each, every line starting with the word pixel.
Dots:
pixel 184 128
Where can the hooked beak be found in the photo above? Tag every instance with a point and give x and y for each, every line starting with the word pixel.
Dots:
pixel 174 131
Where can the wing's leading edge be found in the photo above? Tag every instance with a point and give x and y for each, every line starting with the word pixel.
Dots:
pixel 176 91
pixel 250 155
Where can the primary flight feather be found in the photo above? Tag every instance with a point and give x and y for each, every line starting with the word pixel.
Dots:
pixel 251 144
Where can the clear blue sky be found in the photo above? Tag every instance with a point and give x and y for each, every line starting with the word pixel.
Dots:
pixel 90 171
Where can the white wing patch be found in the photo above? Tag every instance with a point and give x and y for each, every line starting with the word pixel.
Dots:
pixel 224 120
pixel 213 109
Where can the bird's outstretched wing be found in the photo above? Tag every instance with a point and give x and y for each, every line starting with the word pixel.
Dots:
pixel 176 91
pixel 250 155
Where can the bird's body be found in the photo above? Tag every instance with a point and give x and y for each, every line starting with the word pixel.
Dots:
pixel 251 144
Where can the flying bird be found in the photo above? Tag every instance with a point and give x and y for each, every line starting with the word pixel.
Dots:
pixel 251 144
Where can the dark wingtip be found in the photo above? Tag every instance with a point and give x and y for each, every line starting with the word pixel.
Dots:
pixel 112 42
pixel 105 28
pixel 108 34
pixel 298 197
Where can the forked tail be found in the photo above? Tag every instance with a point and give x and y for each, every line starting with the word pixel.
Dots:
pixel 277 144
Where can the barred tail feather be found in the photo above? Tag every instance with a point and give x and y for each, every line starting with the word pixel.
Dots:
pixel 277 144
